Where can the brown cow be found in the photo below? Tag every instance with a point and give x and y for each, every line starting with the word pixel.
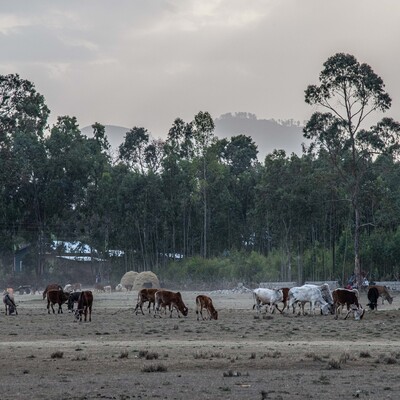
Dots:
pixel 349 298
pixel 383 292
pixel 205 302
pixel 164 298
pixel 51 286
pixel 56 296
pixel 145 294
pixel 85 302
pixel 285 292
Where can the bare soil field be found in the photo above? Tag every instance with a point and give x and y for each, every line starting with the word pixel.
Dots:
pixel 120 355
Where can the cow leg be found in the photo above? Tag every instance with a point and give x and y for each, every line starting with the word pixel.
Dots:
pixel 157 312
pixel 281 311
pixel 201 312
pixel 312 308
pixel 348 312
pixel 271 308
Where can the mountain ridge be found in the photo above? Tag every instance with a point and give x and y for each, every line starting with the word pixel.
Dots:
pixel 268 134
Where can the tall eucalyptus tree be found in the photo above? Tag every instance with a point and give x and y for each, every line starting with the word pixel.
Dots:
pixel 350 92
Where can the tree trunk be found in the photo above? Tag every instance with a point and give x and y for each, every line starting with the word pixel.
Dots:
pixel 357 266
pixel 205 208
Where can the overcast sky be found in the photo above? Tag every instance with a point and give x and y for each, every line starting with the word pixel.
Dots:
pixel 146 62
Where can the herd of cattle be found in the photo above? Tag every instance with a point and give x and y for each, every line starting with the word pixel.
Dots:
pixel 329 301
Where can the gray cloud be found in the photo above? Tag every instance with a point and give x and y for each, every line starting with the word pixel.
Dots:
pixel 147 62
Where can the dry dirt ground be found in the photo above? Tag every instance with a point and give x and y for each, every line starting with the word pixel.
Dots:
pixel 120 355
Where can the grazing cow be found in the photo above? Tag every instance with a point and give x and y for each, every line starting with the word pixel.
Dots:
pixel 348 298
pixel 85 302
pixel 119 288
pixel 51 286
pixel 373 294
pixel 326 294
pixel 304 294
pixel 267 296
pixel 8 300
pixel 205 302
pixel 356 292
pixel 383 292
pixel 72 299
pixel 164 298
pixel 144 295
pixel 56 296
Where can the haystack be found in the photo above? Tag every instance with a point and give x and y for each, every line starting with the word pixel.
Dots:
pixel 146 279
pixel 128 279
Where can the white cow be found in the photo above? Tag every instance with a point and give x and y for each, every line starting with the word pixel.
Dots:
pixel 304 294
pixel 68 288
pixel 268 297
pixel 326 294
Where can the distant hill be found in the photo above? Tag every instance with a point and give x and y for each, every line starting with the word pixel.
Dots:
pixel 115 134
pixel 268 134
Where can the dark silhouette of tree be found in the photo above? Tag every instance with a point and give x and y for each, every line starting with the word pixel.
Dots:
pixel 350 92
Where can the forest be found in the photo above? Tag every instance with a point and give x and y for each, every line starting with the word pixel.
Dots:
pixel 197 208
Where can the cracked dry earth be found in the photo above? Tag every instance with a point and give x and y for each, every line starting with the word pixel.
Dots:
pixel 120 355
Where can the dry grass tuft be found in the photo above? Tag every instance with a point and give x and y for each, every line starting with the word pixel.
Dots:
pixel 57 354
pixel 365 354
pixel 154 368
pixel 334 364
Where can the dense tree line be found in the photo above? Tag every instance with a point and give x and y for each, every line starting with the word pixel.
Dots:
pixel 205 208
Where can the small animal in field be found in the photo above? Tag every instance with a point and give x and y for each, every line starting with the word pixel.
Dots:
pixel 144 295
pixel 205 302
pixel 56 296
pixel 165 298
pixel 11 307
pixel 85 303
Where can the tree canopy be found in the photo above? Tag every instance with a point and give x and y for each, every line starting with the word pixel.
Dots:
pixel 205 207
